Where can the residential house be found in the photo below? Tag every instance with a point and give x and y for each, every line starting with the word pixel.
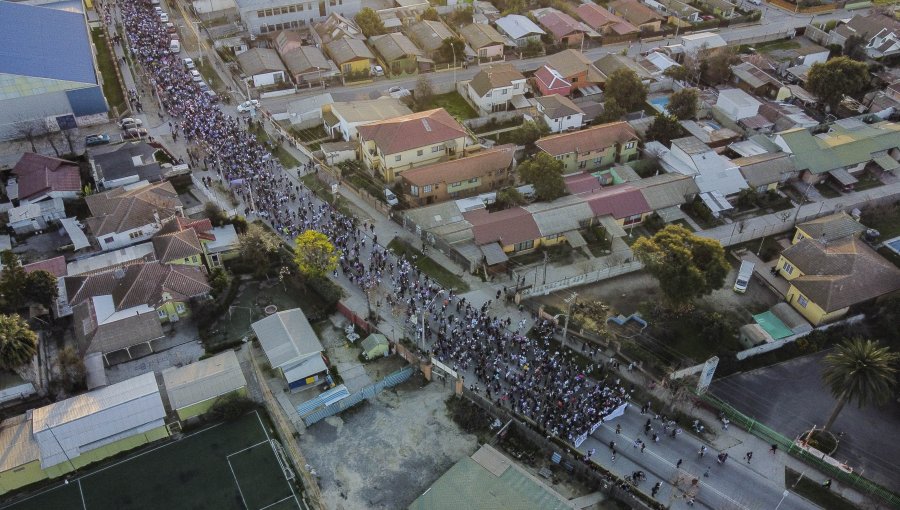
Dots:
pixel 288 40
pixel 344 118
pixel 102 262
pixel 41 177
pixel 482 172
pixel 737 104
pixel 269 16
pixel 605 22
pixel 722 8
pixel 337 26
pixel 830 273
pixel 114 166
pixel 430 36
pixel 306 113
pixel 224 246
pixel 550 82
pixel 693 43
pixel 292 348
pixel 880 32
pixel 338 152
pixel 400 55
pixel 131 214
pixel 576 69
pixel 391 146
pixel 37 216
pixel 827 229
pixel 305 64
pixel 559 113
pixel 120 310
pixel 678 12
pixel 485 40
pixel 612 62
pixel 755 81
pixel 638 14
pixel 352 56
pixel 593 148
pixel 520 29
pixel 181 241
pixel 262 67
pixel 765 172
pixel 194 389
pixel 497 88
pixel 564 29
pixel 844 150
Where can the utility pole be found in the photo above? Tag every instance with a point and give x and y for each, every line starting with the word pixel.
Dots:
pixel 569 301
pixel 546 258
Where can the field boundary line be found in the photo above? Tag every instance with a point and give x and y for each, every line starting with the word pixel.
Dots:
pixel 80 491
pixel 263 425
pixel 245 449
pixel 279 501
pixel 237 483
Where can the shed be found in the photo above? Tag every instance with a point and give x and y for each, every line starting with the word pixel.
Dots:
pixel 292 347
pixel 375 345
pixel 751 335
pixel 193 389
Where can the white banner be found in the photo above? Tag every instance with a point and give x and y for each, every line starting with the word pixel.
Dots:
pixel 444 367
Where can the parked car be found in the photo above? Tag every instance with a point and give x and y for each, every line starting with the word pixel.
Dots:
pixel 247 105
pixel 164 18
pixel 170 28
pixel 212 95
pixel 202 86
pixel 195 75
pixel 745 273
pixel 377 71
pixel 130 122
pixel 133 133
pixel 390 197
pixel 189 63
pixel 94 140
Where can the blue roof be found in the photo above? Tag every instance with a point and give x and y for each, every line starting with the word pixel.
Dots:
pixel 45 43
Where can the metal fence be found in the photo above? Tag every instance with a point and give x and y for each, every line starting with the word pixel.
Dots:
pixel 583 279
pixel 366 393
pixel 760 430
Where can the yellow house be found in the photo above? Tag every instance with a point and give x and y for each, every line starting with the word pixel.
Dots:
pixel 593 148
pixel 829 228
pixel 352 57
pixel 391 146
pixel 826 278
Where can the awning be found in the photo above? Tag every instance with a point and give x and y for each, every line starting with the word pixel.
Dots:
pixel 716 202
pixel 308 367
pixel 670 214
pixel 613 229
pixel 95 373
pixel 327 398
pixel 842 176
pixel 519 101
pixel 493 254
pixel 886 162
pixel 79 240
pixel 590 90
pixel 575 239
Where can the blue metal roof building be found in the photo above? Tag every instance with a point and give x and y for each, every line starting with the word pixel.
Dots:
pixel 47 68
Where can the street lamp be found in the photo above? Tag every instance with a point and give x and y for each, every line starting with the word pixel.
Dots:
pixel 422 318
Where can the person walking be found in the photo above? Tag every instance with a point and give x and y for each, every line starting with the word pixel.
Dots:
pixel 678 464
pixel 702 451
pixel 827 483
pixel 774 448
pixel 655 490
pixel 643 445
pixel 618 428
pixel 748 456
pixel 706 473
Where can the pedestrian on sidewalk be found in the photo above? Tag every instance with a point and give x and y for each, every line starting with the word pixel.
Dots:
pixel 643 445
pixel 748 456
pixel 655 490
pixel 774 448
pixel 723 457
pixel 613 455
pixel 678 464
pixel 706 473
pixel 827 483
pixel 702 451
pixel 618 428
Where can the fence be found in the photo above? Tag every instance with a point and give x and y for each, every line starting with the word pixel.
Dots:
pixel 778 344
pixel 213 197
pixel 357 321
pixel 816 35
pixel 365 393
pixel 496 117
pixel 582 279
pixel 773 437
pixel 788 6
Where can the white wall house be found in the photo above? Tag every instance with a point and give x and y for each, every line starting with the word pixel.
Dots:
pixel 737 104
pixel 496 88
pixel 559 113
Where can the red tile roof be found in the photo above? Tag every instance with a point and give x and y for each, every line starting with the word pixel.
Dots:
pixel 552 82
pixel 38 174
pixel 618 201
pixel 55 266
pixel 412 131
pixel 587 140
pixel 561 24
pixel 476 165
pixel 510 226
pixel 582 183
pixel 597 17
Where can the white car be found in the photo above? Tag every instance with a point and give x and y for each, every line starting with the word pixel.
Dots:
pixel 246 106
pixel 189 63
pixel 390 197
pixel 164 18
pixel 195 75
pixel 129 122
pixel 203 86
pixel 377 71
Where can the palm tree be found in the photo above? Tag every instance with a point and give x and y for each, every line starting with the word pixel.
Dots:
pixel 18 343
pixel 859 370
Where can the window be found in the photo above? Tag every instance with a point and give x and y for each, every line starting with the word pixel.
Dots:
pixel 800 237
pixel 419 152
pixel 505 92
pixel 108 240
pixel 397 157
pixel 582 164
pixel 629 145
pixel 455 184
pixel 527 245
pixel 802 301
pixel 789 269
pixel 179 307
pixel 161 313
pixel 436 148
pixel 414 191
pixel 568 117
pixel 427 188
pixel 135 235
pixel 516 85
pixel 473 181
pixel 260 13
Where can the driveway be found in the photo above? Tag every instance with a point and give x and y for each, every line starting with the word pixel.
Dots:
pixel 790 397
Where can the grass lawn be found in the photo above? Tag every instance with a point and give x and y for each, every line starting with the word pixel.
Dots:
pixel 814 492
pixel 311 134
pixel 454 104
pixel 210 76
pixel 867 181
pixel 827 191
pixel 769 251
pixel 190 474
pixel 439 273
pixel 784 44
pixel 286 159
pixel 886 220
pixel 106 61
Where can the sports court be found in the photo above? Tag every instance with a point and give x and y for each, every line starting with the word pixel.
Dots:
pixel 232 465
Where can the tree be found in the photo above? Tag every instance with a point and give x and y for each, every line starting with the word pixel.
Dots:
pixel 532 48
pixel 839 77
pixel 314 254
pixel 219 280
pixel 369 22
pixel 680 73
pixel 424 93
pixel 529 132
pixel 664 129
pixel 862 371
pixel 612 112
pixel 452 50
pixel 855 48
pixel 71 369
pixel 715 64
pixel 687 266
pixel 13 282
pixel 545 174
pixel 40 288
pixel 215 214
pixel 683 104
pixel 258 246
pixel 431 14
pixel 18 343
pixel 625 87
pixel 462 17
pixel 509 197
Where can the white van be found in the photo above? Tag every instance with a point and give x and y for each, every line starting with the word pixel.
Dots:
pixel 174 46
pixel 745 273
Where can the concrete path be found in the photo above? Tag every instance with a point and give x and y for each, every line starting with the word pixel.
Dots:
pixel 588 500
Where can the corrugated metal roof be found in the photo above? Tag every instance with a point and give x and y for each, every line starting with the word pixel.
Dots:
pixel 286 337
pixel 19 446
pixel 203 380
pixel 46 43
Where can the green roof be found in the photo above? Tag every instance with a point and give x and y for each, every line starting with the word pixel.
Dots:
pixel 469 486
pixel 773 325
pixel 843 146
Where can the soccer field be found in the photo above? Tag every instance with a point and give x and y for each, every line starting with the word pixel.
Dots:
pixel 228 466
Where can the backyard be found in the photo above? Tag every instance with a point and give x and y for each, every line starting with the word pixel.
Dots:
pixel 446 278
pixel 454 104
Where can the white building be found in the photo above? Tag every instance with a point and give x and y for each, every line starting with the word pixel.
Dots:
pixel 559 113
pixel 520 29
pixel 267 16
pixel 344 118
pixel 497 87
pixel 38 216
pixel 131 214
pixel 737 104
pixel 693 43
pixel 262 66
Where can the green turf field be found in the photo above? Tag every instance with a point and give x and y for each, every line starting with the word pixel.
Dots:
pixel 218 468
